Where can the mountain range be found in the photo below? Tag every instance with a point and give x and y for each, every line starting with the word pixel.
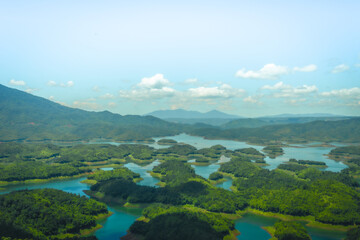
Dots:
pixel 25 117
pixel 181 113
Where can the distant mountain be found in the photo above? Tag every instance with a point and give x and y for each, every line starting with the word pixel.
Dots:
pixel 245 123
pixel 208 121
pixel 259 122
pixel 321 130
pixel 27 117
pixel 307 115
pixel 185 114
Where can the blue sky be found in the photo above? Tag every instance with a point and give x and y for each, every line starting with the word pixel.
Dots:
pixel 250 58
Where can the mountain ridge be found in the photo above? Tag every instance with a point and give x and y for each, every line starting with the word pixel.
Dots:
pixel 24 116
pixel 182 113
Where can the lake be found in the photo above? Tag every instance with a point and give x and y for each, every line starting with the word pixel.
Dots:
pixel 249 225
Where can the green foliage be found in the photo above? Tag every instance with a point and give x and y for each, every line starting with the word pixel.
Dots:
pixel 25 116
pixel 239 168
pixel 353 234
pixel 273 151
pixel 21 171
pixel 167 142
pixel 324 131
pixel 122 172
pixel 315 174
pixel 170 222
pixel 183 186
pixel 291 167
pixel 290 231
pixel 350 154
pixel 250 151
pixel 260 161
pixel 174 172
pixel 307 162
pixel 216 176
pixel 180 149
pixel 41 213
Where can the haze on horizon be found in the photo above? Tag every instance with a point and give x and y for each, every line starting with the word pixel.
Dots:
pixel 245 58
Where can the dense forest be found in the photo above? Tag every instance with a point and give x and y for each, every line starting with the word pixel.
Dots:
pixel 329 197
pixel 47 214
pixel 20 161
pixel 350 155
pixel 185 222
pixel 290 230
pixel 182 186
pixel 324 131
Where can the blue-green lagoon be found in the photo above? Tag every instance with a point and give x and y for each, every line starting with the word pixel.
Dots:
pixel 249 225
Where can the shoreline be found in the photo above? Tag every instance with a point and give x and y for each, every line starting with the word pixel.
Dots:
pixel 310 221
pixel 30 181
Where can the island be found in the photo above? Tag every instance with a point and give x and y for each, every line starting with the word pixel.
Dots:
pixel 49 214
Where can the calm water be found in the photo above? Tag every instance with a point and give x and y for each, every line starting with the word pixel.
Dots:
pixel 250 225
pixel 143 171
pixel 300 151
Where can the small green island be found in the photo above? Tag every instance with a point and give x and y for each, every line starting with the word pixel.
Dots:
pixel 294 191
pixel 166 141
pixel 350 155
pixel 273 151
pixel 49 214
pixel 285 230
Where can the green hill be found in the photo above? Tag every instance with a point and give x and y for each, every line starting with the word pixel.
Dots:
pixel 325 131
pixel 27 117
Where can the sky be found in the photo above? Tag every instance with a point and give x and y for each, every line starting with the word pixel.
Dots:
pixel 249 58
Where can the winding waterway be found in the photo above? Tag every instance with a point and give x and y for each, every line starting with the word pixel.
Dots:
pixel 250 225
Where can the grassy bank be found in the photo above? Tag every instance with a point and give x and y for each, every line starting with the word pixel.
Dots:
pixel 309 219
pixel 4 183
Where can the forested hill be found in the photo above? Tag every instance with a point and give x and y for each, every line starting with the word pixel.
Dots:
pixel 324 131
pixel 28 117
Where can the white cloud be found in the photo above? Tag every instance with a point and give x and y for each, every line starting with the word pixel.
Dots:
pixel 69 84
pixel 340 68
pixel 279 85
pixel 283 90
pixel 111 104
pixel 357 65
pixel 154 87
pixel 30 90
pixel 51 83
pixel 141 94
pixel 344 93
pixel 55 84
pixel 269 71
pixel 250 99
pixel 224 91
pixel 108 96
pixel 191 81
pixel 96 89
pixel 308 68
pixel 157 81
pixel 17 83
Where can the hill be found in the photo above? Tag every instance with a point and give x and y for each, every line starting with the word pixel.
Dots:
pixel 181 113
pixel 27 117
pixel 265 121
pixel 325 131
pixel 245 123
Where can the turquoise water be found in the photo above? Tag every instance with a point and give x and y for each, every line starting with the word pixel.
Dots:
pixel 70 185
pixel 144 173
pixel 250 225
pixel 117 224
pixel 301 151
